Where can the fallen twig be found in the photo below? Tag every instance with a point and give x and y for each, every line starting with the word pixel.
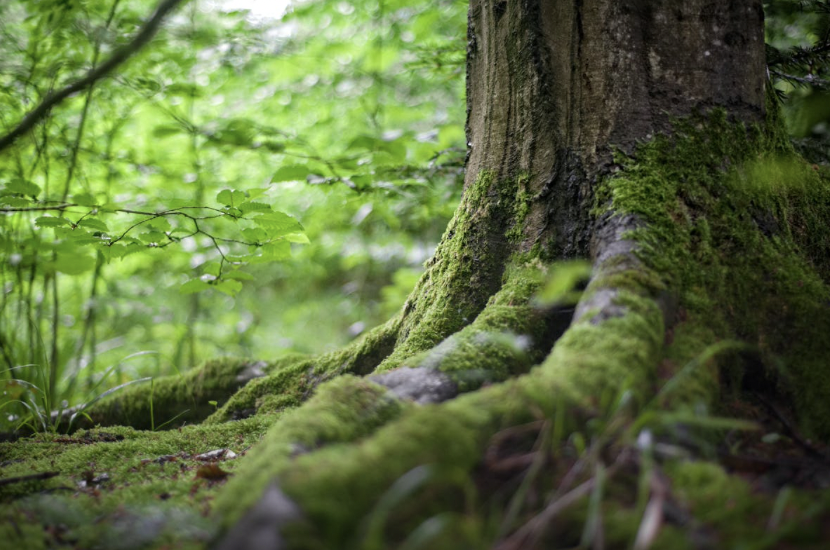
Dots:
pixel 31 477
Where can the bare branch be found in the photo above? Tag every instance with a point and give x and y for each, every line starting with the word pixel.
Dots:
pixel 147 31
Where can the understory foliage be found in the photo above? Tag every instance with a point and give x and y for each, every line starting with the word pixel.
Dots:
pixel 242 186
pixel 798 56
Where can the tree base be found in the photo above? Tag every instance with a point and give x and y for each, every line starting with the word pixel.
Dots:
pixel 710 285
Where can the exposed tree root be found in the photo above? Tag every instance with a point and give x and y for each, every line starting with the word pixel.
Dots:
pixel 616 343
pixel 640 325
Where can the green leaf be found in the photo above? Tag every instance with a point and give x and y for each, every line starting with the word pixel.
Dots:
pixel 276 251
pixel 254 193
pixel 15 202
pixel 231 288
pixel 194 285
pixel 212 268
pixel 396 149
pixel 152 237
pixel 49 221
pixel 166 130
pixel 238 275
pixel 299 238
pixel 277 224
pixel 119 250
pixel 74 264
pixel 562 286
pixel 93 223
pixel 254 207
pixel 159 224
pixel 224 197
pixel 294 172
pixel 271 252
pixel 230 197
pixel 23 187
pixel 82 238
pixel 84 199
pixel 254 235
pixel 368 143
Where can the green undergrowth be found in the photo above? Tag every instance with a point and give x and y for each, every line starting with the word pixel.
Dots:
pixel 118 487
pixel 738 222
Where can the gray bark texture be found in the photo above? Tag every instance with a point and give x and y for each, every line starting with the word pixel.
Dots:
pixel 553 85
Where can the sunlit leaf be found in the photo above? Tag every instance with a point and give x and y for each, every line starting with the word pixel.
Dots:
pixel 23 187
pixel 159 224
pixel 231 288
pixel 247 207
pixel 299 238
pixel 563 285
pixel 277 224
pixel 230 197
pixel 74 264
pixel 194 285
pixel 238 275
pixel 152 237
pixel 49 221
pixel 293 172
pixel 212 268
pixel 93 223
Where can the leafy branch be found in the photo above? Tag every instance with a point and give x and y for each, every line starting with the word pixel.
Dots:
pixel 122 54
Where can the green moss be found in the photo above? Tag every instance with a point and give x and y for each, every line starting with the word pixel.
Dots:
pixel 737 223
pixel 294 380
pixel 465 271
pixel 343 410
pixel 151 494
pixel 505 340
pixel 736 516
pixel 521 206
pixel 173 400
pixel 338 486
pixel 603 360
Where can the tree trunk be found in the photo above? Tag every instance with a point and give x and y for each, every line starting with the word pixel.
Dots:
pixel 638 134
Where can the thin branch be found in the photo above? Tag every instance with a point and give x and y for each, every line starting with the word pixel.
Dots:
pixel 147 31
pixel 37 208
pixel 33 477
